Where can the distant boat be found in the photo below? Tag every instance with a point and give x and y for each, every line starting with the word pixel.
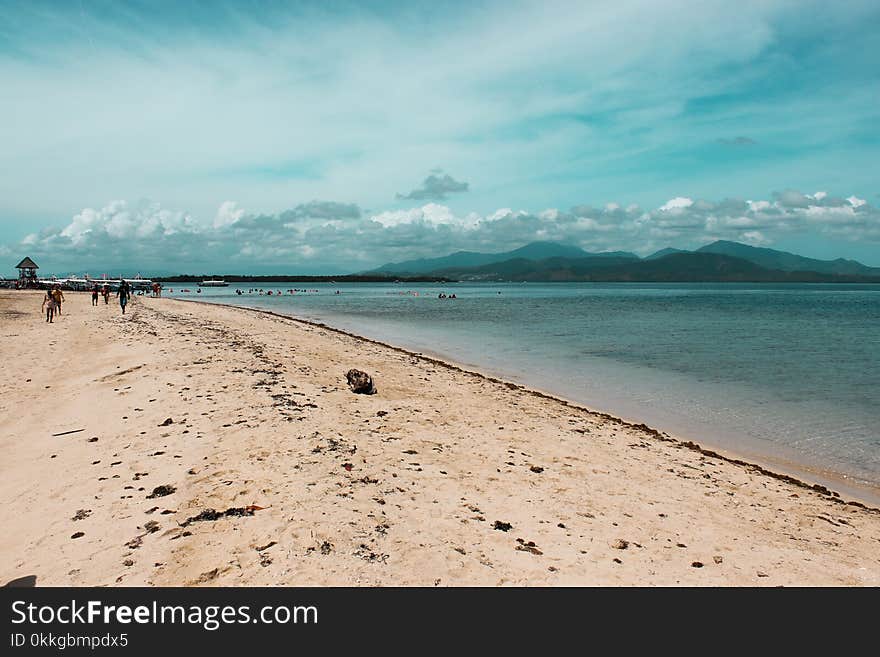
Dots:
pixel 214 283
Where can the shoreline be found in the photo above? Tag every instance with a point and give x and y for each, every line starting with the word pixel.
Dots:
pixel 791 471
pixel 203 444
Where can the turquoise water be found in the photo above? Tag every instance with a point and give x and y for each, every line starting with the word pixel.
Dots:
pixel 785 373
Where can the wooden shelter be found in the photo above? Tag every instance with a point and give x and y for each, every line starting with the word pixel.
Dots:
pixel 27 272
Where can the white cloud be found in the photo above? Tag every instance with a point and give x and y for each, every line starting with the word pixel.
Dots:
pixel 332 237
pixel 676 204
pixel 500 213
pixel 227 214
pixel 396 217
pixel 856 202
pixel 431 213
pixel 439 214
pixel 120 221
pixel 755 238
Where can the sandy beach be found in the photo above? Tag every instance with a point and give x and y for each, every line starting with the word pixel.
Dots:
pixel 193 444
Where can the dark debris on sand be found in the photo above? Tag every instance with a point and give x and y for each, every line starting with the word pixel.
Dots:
pixel 210 515
pixel 528 546
pixel 161 491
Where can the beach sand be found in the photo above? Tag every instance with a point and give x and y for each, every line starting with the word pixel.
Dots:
pixel 443 477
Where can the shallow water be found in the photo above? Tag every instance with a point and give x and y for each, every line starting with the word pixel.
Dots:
pixel 789 373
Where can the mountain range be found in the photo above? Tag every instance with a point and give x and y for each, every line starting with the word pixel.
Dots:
pixel 535 251
pixel 719 261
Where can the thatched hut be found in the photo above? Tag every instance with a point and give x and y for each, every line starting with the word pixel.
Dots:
pixel 27 273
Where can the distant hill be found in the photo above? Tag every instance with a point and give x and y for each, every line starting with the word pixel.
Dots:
pixel 664 252
pixel 424 265
pixel 704 267
pixel 784 261
pixel 716 262
pixel 521 269
pixel 466 259
pixel 674 267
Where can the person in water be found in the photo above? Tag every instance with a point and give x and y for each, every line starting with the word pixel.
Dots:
pixel 124 294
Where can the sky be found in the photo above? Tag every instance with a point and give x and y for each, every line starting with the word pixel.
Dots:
pixel 323 138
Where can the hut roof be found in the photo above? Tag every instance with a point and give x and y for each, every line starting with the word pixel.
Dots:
pixel 27 263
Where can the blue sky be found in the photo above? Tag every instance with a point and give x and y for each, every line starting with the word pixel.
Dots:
pixel 293 137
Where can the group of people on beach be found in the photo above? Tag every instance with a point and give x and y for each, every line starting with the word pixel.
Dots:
pixel 52 302
pixel 55 297
pixel 103 290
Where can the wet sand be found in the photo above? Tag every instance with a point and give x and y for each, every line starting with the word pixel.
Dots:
pixel 191 444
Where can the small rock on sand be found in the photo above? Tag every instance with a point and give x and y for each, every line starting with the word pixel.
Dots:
pixel 360 382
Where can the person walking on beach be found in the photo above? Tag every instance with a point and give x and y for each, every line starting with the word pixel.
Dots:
pixel 124 293
pixel 49 306
pixel 58 296
pixel 106 292
pixel 95 292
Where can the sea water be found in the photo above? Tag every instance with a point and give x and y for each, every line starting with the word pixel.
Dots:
pixel 782 373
